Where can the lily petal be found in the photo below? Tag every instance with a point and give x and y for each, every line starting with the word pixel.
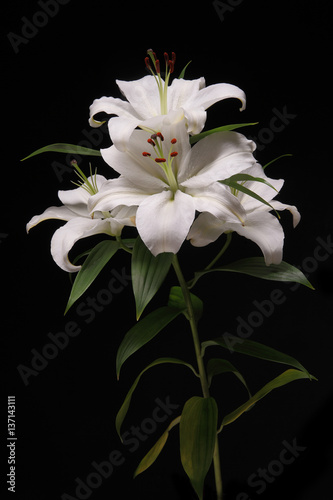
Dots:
pixel 62 213
pixel 77 199
pixel 116 192
pixel 217 157
pixel 111 106
pixel 143 96
pixel 196 105
pixel 66 236
pixel 163 221
pixel 292 209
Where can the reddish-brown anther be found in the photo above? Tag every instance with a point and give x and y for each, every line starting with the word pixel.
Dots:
pixel 151 142
pixel 146 154
pixel 174 154
pixel 160 136
pixel 173 141
pixel 160 160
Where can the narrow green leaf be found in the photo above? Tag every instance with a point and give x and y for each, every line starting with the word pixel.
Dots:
pixel 247 177
pixel 92 266
pixel 125 406
pixel 154 452
pixel 254 349
pixel 198 435
pixel 239 187
pixel 275 159
pixel 256 267
pixel 65 148
pixel 148 274
pixel 182 74
pixel 176 300
pixel 218 366
pixel 224 128
pixel 144 331
pixel 283 379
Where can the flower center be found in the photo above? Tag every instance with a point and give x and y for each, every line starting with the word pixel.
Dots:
pixel 156 72
pixel 163 160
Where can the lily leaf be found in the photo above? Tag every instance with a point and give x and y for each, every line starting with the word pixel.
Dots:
pixel 218 366
pixel 182 74
pixel 125 406
pixel 92 266
pixel 148 274
pixel 65 148
pixel 246 177
pixel 239 187
pixel 176 300
pixel 144 331
pixel 154 452
pixel 279 381
pixel 198 434
pixel 275 159
pixel 224 128
pixel 256 266
pixel 256 350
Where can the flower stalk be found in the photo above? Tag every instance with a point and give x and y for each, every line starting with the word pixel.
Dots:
pixel 201 368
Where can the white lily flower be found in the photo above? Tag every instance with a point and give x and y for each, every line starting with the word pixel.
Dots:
pixel 168 180
pixel 152 96
pixel 80 224
pixel 254 220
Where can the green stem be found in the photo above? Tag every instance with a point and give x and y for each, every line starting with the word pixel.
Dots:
pixel 200 363
pixel 219 255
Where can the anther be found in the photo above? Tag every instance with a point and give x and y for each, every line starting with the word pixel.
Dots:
pixel 173 141
pixel 147 63
pixel 160 160
pixel 160 136
pixel 151 142
pixel 146 154
pixel 174 154
pixel 157 66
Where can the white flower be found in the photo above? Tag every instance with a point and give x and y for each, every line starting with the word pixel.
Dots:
pixel 80 224
pixel 151 96
pixel 168 180
pixel 254 220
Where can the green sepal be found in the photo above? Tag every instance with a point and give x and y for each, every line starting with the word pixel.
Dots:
pixel 144 331
pixel 154 452
pixel 148 274
pixel 256 267
pixel 98 257
pixel 224 128
pixel 125 406
pixel 283 379
pixel 64 148
pixel 217 366
pixel 254 349
pixel 198 434
pixel 176 300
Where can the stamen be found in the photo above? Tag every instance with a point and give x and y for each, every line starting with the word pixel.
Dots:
pixel 157 66
pixel 151 142
pixel 146 154
pixel 173 141
pixel 160 160
pixel 160 136
pixel 174 154
pixel 147 63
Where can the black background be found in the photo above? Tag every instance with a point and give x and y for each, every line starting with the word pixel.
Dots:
pixel 280 54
